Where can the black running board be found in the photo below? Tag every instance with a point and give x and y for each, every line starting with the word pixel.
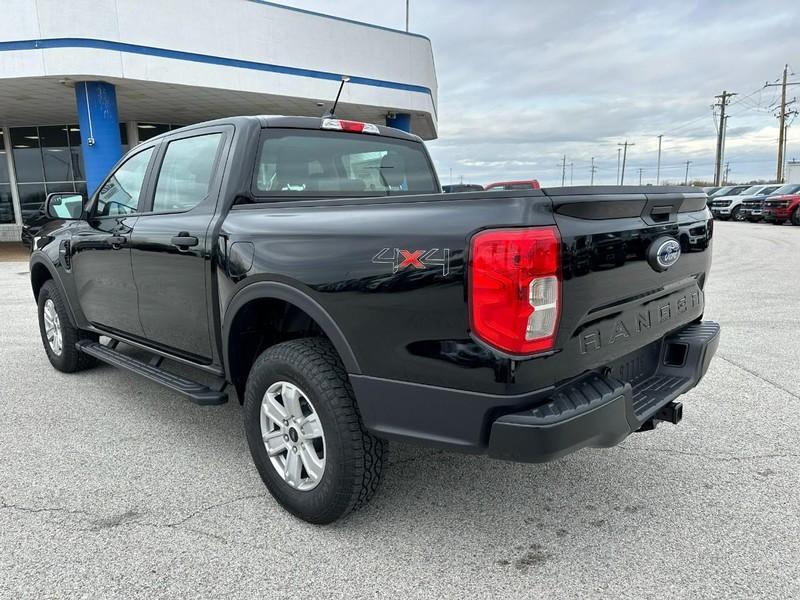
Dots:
pixel 197 392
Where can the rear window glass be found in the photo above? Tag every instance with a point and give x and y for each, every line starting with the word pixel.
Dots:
pixel 296 162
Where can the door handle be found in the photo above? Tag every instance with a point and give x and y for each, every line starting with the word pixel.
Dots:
pixel 117 241
pixel 183 240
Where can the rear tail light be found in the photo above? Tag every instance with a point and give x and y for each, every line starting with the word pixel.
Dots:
pixel 515 288
pixel 351 126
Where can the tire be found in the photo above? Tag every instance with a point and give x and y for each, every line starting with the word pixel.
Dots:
pixel 796 217
pixel 64 356
pixel 778 222
pixel 736 214
pixel 353 459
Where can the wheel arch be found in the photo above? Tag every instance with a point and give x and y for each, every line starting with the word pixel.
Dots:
pixel 41 273
pixel 290 306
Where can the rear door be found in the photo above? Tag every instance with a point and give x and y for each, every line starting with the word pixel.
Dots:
pixel 171 247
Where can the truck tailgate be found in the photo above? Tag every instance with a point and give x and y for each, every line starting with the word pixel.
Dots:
pixel 615 297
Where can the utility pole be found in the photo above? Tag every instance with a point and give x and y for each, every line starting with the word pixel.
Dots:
pixel 619 153
pixel 593 170
pixel 571 165
pixel 782 118
pixel 727 173
pixel 641 170
pixel 658 167
pixel 563 170
pixel 451 175
pixel 407 1
pixel 686 179
pixel 724 99
pixel 624 158
pixel 781 130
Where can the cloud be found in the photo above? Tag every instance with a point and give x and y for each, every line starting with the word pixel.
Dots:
pixel 523 83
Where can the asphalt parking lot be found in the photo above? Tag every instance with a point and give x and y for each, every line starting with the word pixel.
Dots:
pixel 111 486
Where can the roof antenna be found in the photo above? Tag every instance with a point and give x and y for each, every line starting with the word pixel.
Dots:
pixel 330 113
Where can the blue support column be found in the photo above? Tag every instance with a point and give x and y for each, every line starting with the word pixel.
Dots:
pixel 400 121
pixel 99 122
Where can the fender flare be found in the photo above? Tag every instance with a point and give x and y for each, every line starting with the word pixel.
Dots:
pixel 40 258
pixel 282 291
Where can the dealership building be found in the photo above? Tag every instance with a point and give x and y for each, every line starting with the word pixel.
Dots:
pixel 83 81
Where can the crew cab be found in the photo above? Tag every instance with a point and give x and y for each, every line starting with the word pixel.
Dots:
pixel 781 208
pixel 312 269
pixel 753 207
pixel 730 206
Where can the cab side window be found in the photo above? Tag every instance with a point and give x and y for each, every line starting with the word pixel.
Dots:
pixel 120 194
pixel 186 173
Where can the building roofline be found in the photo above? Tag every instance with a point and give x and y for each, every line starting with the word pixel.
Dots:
pixel 335 18
pixel 115 46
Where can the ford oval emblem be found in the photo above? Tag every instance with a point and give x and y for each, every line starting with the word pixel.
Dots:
pixel 663 253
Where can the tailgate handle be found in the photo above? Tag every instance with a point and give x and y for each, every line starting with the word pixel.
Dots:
pixel 661 213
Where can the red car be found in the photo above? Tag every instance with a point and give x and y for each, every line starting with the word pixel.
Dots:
pixel 530 184
pixel 779 209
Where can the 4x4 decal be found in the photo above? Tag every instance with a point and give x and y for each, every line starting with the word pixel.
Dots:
pixel 400 258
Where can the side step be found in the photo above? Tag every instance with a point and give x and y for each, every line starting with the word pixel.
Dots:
pixel 197 392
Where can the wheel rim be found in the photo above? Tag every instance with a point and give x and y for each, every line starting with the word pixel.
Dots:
pixel 293 436
pixel 52 328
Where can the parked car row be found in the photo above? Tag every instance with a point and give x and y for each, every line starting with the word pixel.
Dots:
pixel 528 184
pixel 773 203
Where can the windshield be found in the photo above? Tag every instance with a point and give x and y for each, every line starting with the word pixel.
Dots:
pixel 298 162
pixel 751 190
pixel 723 191
pixel 789 188
pixel 767 190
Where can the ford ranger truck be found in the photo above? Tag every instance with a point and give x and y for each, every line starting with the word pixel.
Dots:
pixel 313 270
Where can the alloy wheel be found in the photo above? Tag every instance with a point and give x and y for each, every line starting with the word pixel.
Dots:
pixel 52 328
pixel 293 435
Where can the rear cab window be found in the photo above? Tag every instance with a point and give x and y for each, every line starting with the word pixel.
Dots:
pixel 294 163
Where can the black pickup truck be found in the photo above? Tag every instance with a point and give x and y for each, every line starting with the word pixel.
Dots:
pixel 314 268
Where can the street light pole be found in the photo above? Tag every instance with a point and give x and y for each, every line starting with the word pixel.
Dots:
pixel 619 153
pixel 407 1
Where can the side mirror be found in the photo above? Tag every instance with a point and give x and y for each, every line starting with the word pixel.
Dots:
pixel 64 205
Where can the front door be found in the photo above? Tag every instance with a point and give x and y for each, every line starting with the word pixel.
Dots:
pixel 100 249
pixel 172 245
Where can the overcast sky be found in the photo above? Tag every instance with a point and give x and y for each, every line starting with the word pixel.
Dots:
pixel 523 82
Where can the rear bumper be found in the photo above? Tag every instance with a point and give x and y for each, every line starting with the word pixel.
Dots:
pixel 600 410
pixel 596 409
